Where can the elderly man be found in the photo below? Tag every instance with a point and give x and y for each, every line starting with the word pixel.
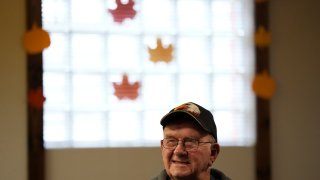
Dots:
pixel 189 147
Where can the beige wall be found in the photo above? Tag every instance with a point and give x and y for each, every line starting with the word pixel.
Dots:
pixel 295 66
pixel 12 92
pixel 295 63
pixel 135 163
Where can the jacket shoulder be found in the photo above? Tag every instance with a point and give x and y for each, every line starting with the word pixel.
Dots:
pixel 219 175
pixel 162 176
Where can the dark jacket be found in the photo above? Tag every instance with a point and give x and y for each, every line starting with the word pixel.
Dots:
pixel 215 174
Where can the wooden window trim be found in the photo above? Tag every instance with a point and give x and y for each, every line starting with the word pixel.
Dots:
pixel 36 152
pixel 263 141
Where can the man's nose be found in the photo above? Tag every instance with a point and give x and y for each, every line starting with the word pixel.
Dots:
pixel 180 147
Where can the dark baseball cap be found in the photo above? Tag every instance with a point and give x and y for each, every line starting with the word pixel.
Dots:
pixel 197 113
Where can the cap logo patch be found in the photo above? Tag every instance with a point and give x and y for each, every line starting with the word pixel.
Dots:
pixel 189 107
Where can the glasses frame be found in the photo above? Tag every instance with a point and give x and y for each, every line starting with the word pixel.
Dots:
pixel 196 144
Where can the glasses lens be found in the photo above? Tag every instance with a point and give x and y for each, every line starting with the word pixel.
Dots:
pixel 188 144
pixel 170 143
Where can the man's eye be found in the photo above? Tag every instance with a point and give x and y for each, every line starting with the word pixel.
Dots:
pixel 171 140
pixel 191 141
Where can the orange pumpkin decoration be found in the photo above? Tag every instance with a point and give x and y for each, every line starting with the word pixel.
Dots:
pixel 263 85
pixel 36 39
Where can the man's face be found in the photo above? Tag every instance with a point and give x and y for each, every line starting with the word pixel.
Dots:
pixel 193 164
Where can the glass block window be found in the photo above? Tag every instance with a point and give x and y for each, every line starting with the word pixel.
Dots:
pixel 212 65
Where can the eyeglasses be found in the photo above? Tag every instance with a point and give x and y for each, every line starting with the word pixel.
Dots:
pixel 188 143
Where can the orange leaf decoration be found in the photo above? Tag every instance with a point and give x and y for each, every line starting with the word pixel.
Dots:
pixel 263 85
pixel 36 98
pixel 36 39
pixel 123 11
pixel 160 53
pixel 262 37
pixel 125 89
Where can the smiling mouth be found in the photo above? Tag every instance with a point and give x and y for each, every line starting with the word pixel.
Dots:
pixel 180 162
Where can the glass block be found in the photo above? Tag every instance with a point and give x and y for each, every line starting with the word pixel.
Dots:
pixel 222 16
pixel 158 16
pixel 228 17
pixel 56 90
pixel 88 127
pixel 55 13
pixel 228 55
pixel 228 91
pixel 123 53
pixel 56 57
pixel 87 52
pixel 55 126
pixel 151 126
pixel 88 92
pixel 124 126
pixel 86 15
pixel 228 125
pixel 194 88
pixel 193 53
pixel 158 90
pixel 235 128
pixel 193 15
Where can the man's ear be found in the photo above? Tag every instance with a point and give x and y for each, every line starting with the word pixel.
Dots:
pixel 215 150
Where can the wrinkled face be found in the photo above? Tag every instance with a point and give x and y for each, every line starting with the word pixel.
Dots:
pixel 182 164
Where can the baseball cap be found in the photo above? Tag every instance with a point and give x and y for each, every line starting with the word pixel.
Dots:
pixel 197 113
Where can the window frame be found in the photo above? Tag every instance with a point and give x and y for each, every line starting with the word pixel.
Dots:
pixel 36 150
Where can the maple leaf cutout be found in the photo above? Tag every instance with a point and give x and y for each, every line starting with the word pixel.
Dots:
pixel 161 53
pixel 125 89
pixel 36 98
pixel 262 37
pixel 123 11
